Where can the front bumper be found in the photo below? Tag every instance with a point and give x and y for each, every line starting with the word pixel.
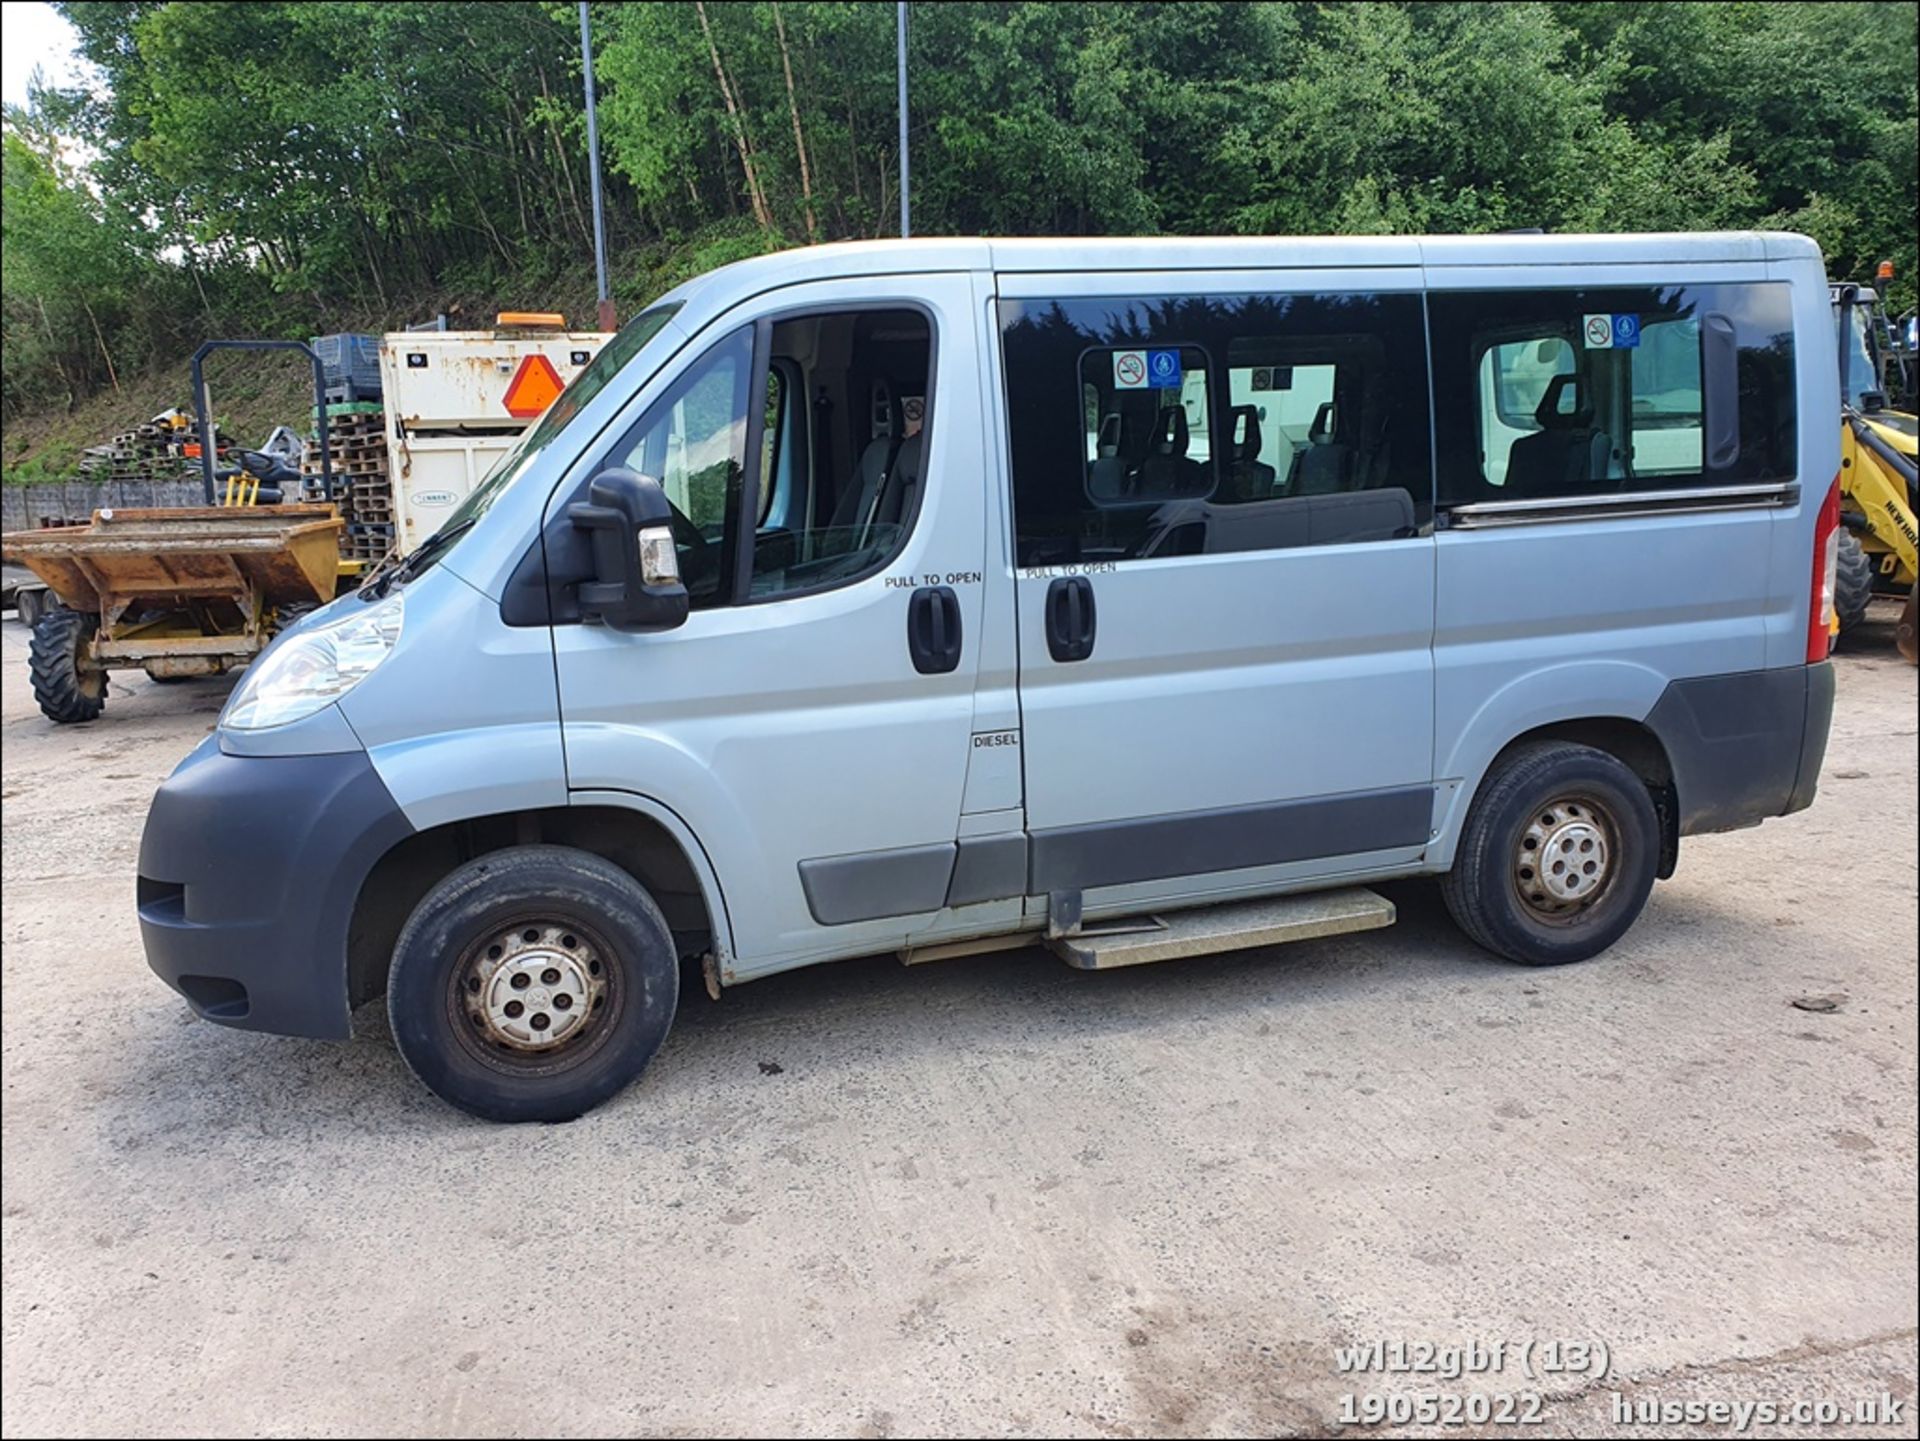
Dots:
pixel 250 867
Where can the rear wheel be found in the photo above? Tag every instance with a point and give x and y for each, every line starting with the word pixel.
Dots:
pixel 66 682
pixel 30 602
pixel 532 984
pixel 1558 855
pixel 1852 581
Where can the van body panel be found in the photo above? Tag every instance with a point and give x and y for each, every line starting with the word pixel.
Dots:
pixel 1230 685
pixel 463 719
pixel 690 846
pixel 797 729
pixel 995 768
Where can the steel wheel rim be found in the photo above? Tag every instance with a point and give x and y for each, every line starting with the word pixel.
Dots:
pixel 537 993
pixel 1566 859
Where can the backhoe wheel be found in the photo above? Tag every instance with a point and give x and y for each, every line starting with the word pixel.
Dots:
pixel 1558 855
pixel 66 682
pixel 1852 581
pixel 532 984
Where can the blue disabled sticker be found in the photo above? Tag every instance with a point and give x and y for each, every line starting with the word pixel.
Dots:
pixel 1163 369
pixel 1626 332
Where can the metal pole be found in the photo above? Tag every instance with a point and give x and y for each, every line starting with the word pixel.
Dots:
pixel 906 220
pixel 593 169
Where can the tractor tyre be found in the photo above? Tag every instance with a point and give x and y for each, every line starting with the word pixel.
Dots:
pixel 69 686
pixel 1852 582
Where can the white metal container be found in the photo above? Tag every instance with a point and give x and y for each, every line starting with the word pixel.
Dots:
pixel 434 473
pixel 447 395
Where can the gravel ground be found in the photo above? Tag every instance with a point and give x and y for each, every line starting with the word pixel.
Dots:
pixel 989 1196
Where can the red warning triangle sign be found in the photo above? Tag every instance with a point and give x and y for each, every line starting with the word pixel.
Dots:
pixel 533 387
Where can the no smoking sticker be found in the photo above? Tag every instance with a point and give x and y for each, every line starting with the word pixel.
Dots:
pixel 1610 332
pixel 1146 370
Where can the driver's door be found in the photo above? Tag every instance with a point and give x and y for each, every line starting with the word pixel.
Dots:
pixel 788 724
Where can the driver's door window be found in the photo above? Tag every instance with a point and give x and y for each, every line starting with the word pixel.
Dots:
pixel 694 438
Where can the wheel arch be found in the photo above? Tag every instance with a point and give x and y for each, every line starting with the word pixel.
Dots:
pixel 646 840
pixel 1604 705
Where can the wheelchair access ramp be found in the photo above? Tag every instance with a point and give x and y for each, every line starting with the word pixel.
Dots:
pixel 1135 941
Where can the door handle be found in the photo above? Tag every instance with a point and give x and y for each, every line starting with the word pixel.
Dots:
pixel 1070 618
pixel 933 629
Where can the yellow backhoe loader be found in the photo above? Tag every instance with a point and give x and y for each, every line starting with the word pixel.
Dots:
pixel 1879 488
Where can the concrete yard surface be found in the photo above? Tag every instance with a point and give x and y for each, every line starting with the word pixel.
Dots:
pixel 994 1195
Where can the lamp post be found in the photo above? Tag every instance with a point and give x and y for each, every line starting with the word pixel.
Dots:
pixel 906 217
pixel 606 315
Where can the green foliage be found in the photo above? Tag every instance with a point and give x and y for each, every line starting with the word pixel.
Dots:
pixel 284 167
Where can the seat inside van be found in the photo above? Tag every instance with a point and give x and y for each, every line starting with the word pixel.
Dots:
pixel 1567 452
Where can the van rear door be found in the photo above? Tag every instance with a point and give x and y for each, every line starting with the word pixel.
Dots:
pixel 1224 565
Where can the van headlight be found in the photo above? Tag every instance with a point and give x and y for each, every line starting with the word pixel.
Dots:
pixel 312 668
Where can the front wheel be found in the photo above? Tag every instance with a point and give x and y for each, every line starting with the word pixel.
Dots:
pixel 1558 855
pixel 532 984
pixel 71 689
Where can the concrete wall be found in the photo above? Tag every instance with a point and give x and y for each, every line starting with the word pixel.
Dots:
pixel 22 507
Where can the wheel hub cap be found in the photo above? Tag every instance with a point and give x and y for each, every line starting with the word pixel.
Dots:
pixel 535 987
pixel 1564 859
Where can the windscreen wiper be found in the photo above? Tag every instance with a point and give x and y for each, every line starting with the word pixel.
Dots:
pixel 413 563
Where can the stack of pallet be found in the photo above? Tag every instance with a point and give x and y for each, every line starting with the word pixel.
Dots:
pixel 144 453
pixel 362 488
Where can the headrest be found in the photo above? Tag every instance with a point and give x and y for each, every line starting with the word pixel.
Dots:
pixel 1548 412
pixel 895 422
pixel 1321 431
pixel 1170 431
pixel 1109 441
pixel 1243 428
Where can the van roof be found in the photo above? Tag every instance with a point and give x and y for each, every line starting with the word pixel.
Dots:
pixel 1242 252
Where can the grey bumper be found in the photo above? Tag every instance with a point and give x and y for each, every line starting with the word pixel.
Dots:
pixel 249 870
pixel 1745 746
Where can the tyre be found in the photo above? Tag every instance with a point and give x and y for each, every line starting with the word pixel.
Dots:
pixel 30 603
pixel 69 687
pixel 532 984
pixel 1852 581
pixel 1558 855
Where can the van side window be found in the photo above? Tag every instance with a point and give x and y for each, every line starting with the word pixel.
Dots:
pixel 846 413
pixel 694 440
pixel 1147 427
pixel 1548 394
pixel 842 410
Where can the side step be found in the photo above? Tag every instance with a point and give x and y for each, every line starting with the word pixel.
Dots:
pixel 1102 946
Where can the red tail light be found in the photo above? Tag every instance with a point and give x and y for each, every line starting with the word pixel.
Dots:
pixel 1826 566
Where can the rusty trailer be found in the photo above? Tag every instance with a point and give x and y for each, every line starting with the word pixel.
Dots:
pixel 175 593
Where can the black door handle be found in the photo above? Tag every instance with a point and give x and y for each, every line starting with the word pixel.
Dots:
pixel 1070 618
pixel 933 629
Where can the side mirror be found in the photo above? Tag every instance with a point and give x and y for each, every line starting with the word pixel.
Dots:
pixel 636 567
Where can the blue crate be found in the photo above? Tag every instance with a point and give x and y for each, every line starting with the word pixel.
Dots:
pixel 349 363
